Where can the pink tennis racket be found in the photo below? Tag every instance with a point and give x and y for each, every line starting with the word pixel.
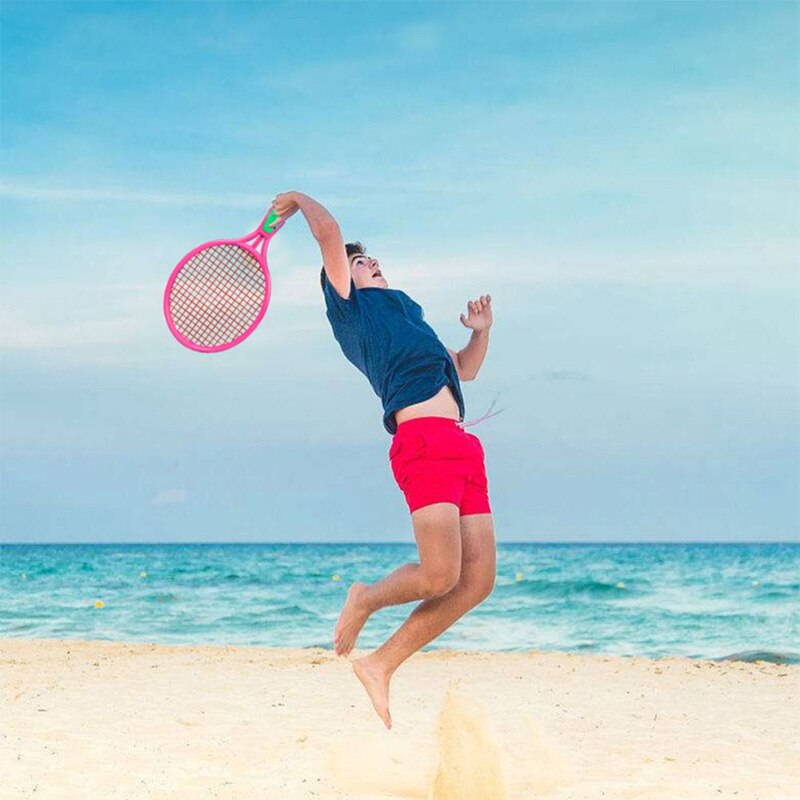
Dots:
pixel 219 292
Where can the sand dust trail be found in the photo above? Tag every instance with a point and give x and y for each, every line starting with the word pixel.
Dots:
pixel 470 763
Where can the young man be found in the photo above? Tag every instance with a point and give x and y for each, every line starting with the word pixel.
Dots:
pixel 438 466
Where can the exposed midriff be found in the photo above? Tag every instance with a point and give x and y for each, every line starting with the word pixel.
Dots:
pixel 442 404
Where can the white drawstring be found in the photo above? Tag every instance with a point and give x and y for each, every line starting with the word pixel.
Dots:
pixel 485 416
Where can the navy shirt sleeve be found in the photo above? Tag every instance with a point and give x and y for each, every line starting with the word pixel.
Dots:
pixel 342 310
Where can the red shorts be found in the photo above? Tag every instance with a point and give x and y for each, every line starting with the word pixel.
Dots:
pixel 434 460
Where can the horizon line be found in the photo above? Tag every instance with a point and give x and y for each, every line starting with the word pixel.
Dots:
pixel 409 542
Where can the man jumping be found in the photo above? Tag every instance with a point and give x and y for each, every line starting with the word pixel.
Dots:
pixel 438 466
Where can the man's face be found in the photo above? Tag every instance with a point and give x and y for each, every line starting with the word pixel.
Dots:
pixel 366 271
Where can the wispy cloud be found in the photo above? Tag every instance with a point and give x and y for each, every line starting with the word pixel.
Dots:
pixel 60 316
pixel 21 334
pixel 170 497
pixel 42 192
pixel 420 37
pixel 86 315
pixel 561 375
pixel 27 191
pixel 85 322
pixel 517 270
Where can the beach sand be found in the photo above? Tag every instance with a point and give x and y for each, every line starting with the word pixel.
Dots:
pixel 113 720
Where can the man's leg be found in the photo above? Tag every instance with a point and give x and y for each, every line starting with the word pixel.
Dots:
pixel 438 535
pixel 432 617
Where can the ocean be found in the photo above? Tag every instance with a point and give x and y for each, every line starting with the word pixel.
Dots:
pixel 696 600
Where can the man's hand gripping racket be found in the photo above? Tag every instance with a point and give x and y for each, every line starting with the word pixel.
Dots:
pixel 219 292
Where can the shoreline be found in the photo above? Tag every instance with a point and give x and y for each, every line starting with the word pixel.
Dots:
pixel 146 720
pixel 773 657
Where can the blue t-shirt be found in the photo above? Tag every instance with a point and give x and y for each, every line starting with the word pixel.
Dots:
pixel 384 334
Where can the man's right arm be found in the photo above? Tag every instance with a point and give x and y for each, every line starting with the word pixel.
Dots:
pixel 325 230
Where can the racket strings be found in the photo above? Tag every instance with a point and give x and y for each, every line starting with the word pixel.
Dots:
pixel 217 295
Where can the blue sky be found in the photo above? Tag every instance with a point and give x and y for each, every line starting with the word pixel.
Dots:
pixel 622 178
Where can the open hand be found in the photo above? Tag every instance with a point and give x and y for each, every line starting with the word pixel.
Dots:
pixel 480 314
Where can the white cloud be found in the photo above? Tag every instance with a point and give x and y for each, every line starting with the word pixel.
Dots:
pixel 420 37
pixel 170 497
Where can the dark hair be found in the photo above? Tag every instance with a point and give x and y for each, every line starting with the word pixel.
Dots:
pixel 351 248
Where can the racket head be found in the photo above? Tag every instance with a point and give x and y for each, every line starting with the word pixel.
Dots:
pixel 218 294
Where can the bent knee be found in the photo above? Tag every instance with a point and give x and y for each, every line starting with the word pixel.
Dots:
pixel 485 590
pixel 480 588
pixel 439 582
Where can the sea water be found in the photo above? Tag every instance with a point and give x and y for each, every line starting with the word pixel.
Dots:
pixel 696 600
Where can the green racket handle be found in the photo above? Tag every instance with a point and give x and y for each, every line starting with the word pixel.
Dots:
pixel 270 222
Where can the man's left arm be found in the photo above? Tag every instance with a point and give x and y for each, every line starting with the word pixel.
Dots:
pixel 469 360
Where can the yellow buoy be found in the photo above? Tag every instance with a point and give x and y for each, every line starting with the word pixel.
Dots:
pixel 98 603
pixel 621 585
pixel 519 576
pixel 142 574
pixel 335 578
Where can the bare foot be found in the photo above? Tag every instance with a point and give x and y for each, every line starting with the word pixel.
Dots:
pixel 376 682
pixel 351 620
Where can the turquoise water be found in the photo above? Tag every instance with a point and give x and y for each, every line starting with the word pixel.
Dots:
pixel 708 601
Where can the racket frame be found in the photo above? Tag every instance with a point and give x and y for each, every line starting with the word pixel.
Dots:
pixel 256 243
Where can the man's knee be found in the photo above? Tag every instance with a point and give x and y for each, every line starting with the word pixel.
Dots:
pixel 479 586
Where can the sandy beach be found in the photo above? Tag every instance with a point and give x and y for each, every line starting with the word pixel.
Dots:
pixel 102 719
